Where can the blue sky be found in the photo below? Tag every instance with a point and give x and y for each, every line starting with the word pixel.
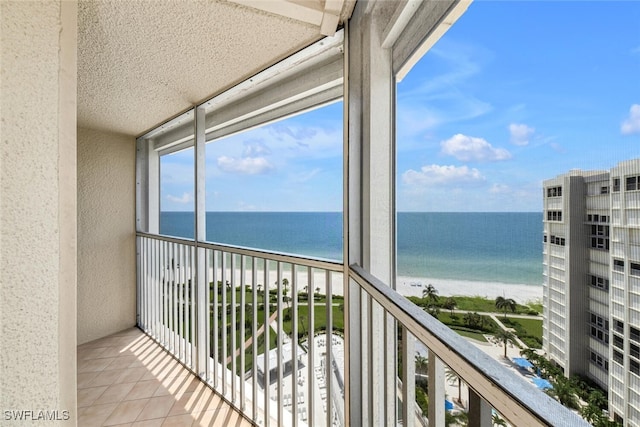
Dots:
pixel 514 93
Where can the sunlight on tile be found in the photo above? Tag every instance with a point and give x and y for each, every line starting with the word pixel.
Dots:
pixel 127 379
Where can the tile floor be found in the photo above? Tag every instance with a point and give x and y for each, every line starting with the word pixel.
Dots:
pixel 126 379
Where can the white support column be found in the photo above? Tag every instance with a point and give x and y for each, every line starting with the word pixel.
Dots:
pixel 371 211
pixel 200 235
pixel 436 391
pixel 147 187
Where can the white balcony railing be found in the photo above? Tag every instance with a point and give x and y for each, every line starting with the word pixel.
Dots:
pixel 270 333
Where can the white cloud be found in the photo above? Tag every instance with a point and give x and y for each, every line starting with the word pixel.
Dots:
pixel 437 175
pixel 632 124
pixel 244 166
pixel 255 149
pixel 500 189
pixel 468 148
pixel 305 176
pixel 520 133
pixel 185 199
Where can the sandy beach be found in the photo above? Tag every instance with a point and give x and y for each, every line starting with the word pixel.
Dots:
pixel 413 286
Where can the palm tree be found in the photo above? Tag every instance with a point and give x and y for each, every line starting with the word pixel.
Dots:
pixel 505 337
pixel 450 304
pixel 259 287
pixel 505 304
pixel 497 421
pixel 430 293
pixel 564 391
pixel 451 375
pixel 433 310
pixel 592 412
pixel 472 320
pixel 422 364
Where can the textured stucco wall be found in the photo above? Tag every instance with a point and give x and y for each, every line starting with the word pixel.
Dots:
pixel 37 209
pixel 106 234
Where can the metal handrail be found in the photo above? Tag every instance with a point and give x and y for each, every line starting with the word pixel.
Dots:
pixel 304 261
pixel 504 390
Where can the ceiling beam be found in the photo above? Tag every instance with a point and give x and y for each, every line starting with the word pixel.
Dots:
pixel 311 12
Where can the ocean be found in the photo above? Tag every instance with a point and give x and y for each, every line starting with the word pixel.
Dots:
pixel 484 247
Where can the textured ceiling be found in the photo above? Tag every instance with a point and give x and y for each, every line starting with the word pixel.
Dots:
pixel 142 62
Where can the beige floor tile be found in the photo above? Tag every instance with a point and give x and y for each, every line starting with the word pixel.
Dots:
pixel 88 396
pixel 126 412
pixel 184 420
pixel 126 379
pixel 177 386
pixel 157 407
pixel 90 353
pixel 131 375
pixel 115 393
pixel 185 404
pixel 93 365
pixel 157 422
pixel 107 377
pixel 122 362
pixel 115 352
pixel 85 380
pixel 95 415
pixel 143 389
pixel 211 402
pixel 222 418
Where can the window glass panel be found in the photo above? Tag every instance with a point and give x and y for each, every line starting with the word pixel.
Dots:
pixel 279 186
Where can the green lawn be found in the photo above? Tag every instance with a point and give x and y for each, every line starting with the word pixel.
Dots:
pixel 473 335
pixel 528 330
pixel 478 304
pixel 319 319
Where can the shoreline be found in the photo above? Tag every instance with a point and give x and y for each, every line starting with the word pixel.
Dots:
pixel 521 293
pixel 413 286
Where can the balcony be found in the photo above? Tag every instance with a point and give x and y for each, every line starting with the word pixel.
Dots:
pixel 344 373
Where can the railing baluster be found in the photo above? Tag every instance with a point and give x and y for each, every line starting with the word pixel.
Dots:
pixel 175 250
pixel 279 339
pixel 223 359
pixel 242 329
pixel 479 411
pixel 216 315
pixel 186 302
pixel 232 288
pixel 188 280
pixel 192 309
pixel 175 299
pixel 156 281
pixel 267 371
pixel 207 318
pixel 311 344
pixel 390 367
pixel 329 340
pixel 408 379
pixel 254 336
pixel 368 359
pixel 294 343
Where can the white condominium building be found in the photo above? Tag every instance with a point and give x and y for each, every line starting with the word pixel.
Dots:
pixel 591 260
